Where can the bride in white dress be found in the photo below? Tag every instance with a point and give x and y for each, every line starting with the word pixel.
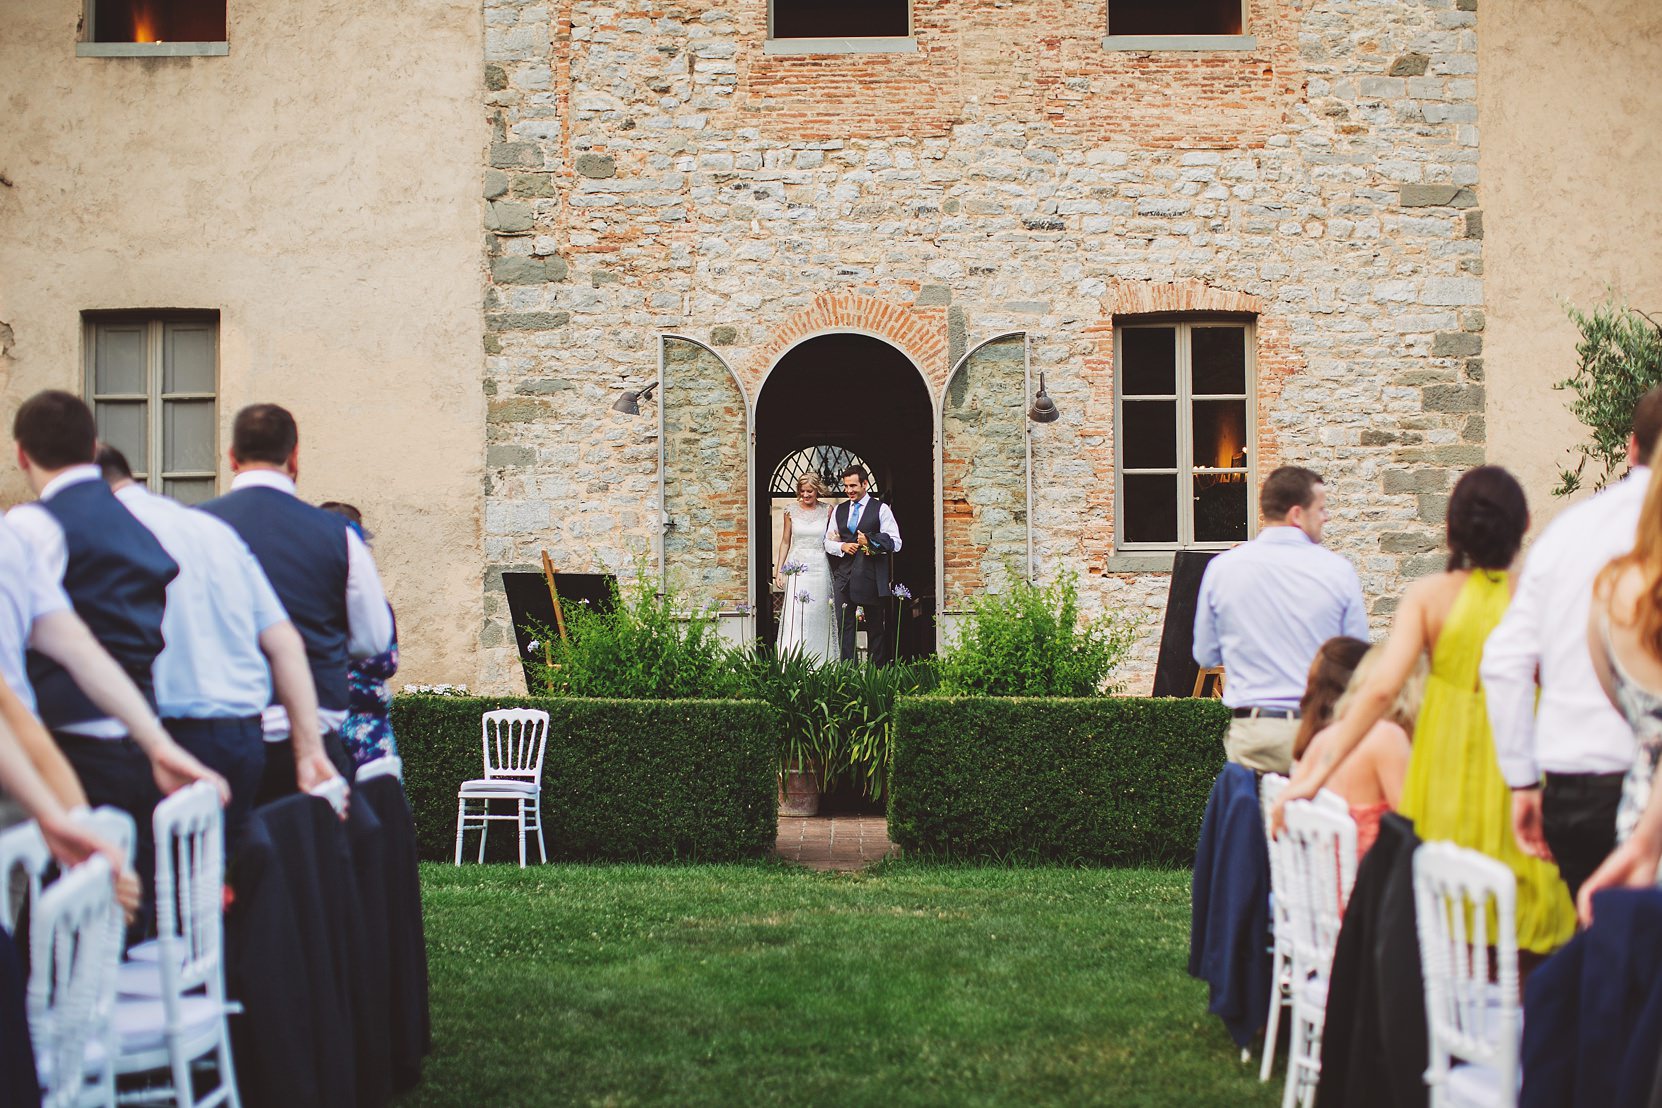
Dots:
pixel 804 572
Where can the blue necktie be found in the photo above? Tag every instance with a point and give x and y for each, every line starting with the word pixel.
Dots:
pixel 854 518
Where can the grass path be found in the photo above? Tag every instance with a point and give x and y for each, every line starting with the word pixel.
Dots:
pixel 768 984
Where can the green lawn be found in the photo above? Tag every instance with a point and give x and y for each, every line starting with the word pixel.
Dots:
pixel 767 984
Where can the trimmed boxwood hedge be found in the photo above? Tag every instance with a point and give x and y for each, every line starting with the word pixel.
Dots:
pixel 626 780
pixel 1103 780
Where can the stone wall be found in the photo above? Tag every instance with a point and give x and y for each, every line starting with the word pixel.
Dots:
pixel 651 170
pixel 984 471
pixel 706 462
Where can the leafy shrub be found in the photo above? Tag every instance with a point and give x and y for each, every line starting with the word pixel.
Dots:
pixel 622 779
pixel 1619 358
pixel 1029 641
pixel 837 718
pixel 1101 780
pixel 649 645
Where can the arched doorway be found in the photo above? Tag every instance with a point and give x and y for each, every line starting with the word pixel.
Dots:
pixel 851 394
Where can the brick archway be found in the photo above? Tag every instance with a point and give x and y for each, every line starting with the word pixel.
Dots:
pixel 919 333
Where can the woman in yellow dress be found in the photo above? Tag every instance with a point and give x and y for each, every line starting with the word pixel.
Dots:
pixel 1454 791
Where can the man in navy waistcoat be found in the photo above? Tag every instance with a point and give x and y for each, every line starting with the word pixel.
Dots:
pixel 115 575
pixel 321 569
pixel 231 649
pixel 860 536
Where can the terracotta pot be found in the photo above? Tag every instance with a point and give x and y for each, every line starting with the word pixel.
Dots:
pixel 798 793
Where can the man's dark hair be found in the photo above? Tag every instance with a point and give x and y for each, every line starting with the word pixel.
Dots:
pixel 1647 423
pixel 114 463
pixel 856 470
pixel 264 433
pixel 1487 518
pixel 1286 488
pixel 56 429
pixel 341 508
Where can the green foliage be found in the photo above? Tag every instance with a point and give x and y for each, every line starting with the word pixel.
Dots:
pixel 650 646
pixel 759 984
pixel 1619 358
pixel 1101 780
pixel 622 779
pixel 1029 640
pixel 837 718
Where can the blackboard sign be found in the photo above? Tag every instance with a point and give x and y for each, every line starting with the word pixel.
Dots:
pixel 532 609
pixel 1174 675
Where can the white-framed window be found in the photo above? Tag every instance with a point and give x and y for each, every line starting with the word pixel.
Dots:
pixel 1185 421
pixel 1178 25
pixel 152 28
pixel 152 379
pixel 839 27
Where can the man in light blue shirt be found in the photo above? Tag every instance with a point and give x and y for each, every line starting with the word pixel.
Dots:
pixel 224 627
pixel 1266 607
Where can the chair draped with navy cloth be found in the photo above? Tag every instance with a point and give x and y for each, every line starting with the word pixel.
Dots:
pixel 1593 1012
pixel 1230 905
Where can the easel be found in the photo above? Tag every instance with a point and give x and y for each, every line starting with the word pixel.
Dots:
pixel 559 613
pixel 1213 672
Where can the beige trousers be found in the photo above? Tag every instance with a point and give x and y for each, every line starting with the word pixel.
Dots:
pixel 1265 745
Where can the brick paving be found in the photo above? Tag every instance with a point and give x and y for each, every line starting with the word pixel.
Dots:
pixel 834 842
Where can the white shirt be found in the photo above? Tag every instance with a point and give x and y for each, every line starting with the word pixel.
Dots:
pixel 26 594
pixel 368 616
pixel 44 537
pixel 886 526
pixel 1266 607
pixel 1573 729
pixel 212 666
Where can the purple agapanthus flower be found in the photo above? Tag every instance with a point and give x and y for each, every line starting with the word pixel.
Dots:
pixel 805 597
pixel 902 591
pixel 791 569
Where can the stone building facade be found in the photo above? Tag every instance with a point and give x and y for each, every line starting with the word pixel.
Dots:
pixel 450 252
pixel 662 170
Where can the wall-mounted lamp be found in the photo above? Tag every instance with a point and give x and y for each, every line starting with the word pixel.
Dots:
pixel 1044 408
pixel 629 402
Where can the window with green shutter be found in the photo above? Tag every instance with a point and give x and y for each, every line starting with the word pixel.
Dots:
pixel 153 381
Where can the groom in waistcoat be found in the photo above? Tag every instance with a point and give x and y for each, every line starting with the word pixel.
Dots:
pixel 860 537
pixel 322 572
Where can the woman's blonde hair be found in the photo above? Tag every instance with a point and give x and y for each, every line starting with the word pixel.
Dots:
pixel 814 481
pixel 1646 557
pixel 1405 709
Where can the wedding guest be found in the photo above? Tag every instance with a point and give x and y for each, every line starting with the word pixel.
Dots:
pixel 367 732
pixel 1264 609
pixel 1624 638
pixel 321 570
pixel 1454 790
pixel 1565 754
pixel 1329 676
pixel 1370 779
pixel 229 646
pixel 115 574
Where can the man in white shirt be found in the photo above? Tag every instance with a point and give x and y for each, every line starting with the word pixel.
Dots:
pixel 228 642
pixel 1265 608
pixel 1572 736
pixel 321 571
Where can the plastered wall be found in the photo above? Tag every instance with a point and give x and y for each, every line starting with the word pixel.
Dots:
pixel 1567 102
pixel 319 187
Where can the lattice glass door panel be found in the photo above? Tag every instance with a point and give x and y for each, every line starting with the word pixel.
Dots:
pixel 706 463
pixel 984 486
